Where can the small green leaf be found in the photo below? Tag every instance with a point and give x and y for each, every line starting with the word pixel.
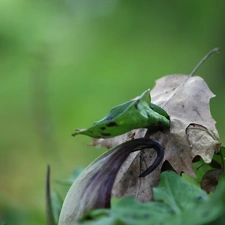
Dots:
pixel 137 113
pixel 102 221
pixel 132 212
pixel 186 200
pixel 218 221
pixel 177 192
pixel 56 205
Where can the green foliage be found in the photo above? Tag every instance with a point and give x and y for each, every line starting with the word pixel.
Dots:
pixel 136 113
pixel 176 202
pixel 56 205
pixel 54 52
pixel 174 199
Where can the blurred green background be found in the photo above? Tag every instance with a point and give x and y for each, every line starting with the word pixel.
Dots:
pixel 65 63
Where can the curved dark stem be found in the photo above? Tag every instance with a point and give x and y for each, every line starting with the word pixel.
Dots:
pixel 160 154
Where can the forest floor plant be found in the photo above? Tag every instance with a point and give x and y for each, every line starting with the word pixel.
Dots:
pixel 165 164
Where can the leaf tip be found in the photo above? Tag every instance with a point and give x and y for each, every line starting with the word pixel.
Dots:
pixel 77 131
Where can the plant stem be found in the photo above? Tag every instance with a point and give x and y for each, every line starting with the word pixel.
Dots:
pixel 203 60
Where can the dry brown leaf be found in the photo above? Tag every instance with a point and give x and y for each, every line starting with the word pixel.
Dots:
pixel 112 142
pixel 186 100
pixel 199 138
pixel 210 180
pixel 128 182
pixel 192 132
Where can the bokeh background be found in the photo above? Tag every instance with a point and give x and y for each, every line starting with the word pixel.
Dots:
pixel 65 63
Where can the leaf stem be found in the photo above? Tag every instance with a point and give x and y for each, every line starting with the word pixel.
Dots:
pixel 203 60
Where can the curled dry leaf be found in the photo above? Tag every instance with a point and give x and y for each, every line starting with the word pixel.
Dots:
pixel 199 138
pixel 186 99
pixel 192 132
pixel 93 187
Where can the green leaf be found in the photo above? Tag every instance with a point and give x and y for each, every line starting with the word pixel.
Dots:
pixel 176 192
pixel 137 113
pixel 102 221
pixel 56 201
pixel 218 221
pixel 176 202
pixel 186 200
pixel 132 212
